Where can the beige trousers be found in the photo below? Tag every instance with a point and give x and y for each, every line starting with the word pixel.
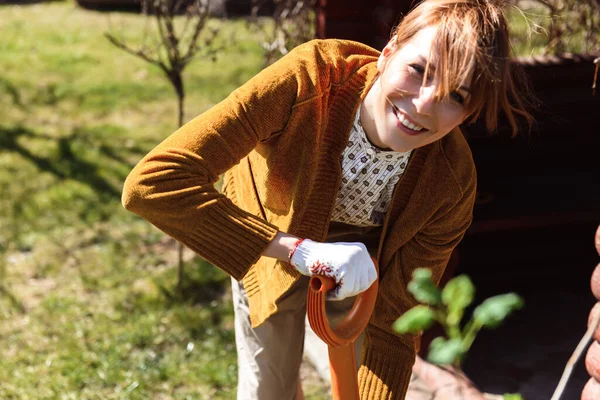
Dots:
pixel 270 355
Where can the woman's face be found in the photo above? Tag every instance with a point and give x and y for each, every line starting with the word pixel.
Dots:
pixel 400 112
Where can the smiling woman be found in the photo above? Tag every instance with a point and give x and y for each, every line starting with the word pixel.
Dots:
pixel 437 71
pixel 406 101
pixel 338 143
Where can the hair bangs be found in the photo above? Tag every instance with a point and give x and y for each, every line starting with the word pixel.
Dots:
pixel 454 59
pixel 471 49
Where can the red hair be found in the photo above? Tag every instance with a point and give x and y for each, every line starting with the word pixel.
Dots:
pixel 472 35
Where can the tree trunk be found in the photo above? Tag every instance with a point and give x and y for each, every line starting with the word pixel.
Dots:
pixel 177 82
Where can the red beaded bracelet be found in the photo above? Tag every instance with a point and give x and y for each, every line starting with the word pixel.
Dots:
pixel 294 249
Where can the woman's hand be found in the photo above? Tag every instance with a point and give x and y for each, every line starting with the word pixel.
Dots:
pixel 591 391
pixel 349 264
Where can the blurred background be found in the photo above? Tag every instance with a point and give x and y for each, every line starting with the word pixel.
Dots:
pixel 97 303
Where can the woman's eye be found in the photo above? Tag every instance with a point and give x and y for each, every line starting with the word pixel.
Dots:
pixel 457 97
pixel 416 69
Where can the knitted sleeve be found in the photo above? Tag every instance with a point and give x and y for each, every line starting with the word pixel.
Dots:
pixel 388 357
pixel 173 186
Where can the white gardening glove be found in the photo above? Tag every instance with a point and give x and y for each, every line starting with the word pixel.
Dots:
pixel 349 264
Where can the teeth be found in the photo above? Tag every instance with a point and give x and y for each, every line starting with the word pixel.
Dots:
pixel 408 124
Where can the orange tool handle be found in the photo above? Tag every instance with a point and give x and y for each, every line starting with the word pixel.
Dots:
pixel 340 340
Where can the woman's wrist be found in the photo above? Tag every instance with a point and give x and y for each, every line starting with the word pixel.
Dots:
pixel 281 246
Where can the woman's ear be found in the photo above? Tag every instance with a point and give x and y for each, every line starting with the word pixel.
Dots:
pixel 386 53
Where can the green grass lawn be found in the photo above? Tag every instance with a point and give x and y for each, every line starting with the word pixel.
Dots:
pixel 87 309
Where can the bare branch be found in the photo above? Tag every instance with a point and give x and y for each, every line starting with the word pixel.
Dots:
pixel 189 16
pixel 583 343
pixel 201 18
pixel 173 48
pixel 159 17
pixel 548 5
pixel 293 25
pixel 164 51
pixel 571 25
pixel 138 53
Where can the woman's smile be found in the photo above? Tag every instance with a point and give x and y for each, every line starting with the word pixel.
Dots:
pixel 406 123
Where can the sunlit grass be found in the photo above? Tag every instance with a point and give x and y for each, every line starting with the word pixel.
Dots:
pixel 89 308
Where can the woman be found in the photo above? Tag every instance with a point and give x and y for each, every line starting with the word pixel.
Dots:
pixel 335 153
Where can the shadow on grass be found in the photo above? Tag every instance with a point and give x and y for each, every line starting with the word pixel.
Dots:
pixel 131 6
pixel 195 292
pixel 67 164
pixel 14 301
pixel 202 284
pixel 115 154
pixel 12 91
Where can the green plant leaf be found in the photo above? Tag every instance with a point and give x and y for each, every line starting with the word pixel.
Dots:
pixel 513 396
pixel 423 289
pixel 417 319
pixel 421 274
pixel 494 310
pixel 443 351
pixel 458 294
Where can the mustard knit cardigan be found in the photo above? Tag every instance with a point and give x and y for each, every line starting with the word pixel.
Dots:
pixel 278 140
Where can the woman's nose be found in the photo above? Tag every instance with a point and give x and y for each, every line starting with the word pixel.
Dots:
pixel 425 100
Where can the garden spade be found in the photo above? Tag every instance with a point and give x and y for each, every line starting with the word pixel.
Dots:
pixel 340 340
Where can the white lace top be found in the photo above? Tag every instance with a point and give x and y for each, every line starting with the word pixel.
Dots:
pixel 369 176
